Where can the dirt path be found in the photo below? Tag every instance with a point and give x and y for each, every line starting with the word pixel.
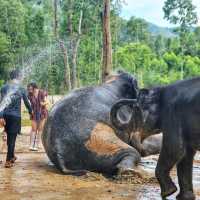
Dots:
pixel 33 178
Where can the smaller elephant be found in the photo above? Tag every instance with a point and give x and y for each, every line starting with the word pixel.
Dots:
pixel 173 110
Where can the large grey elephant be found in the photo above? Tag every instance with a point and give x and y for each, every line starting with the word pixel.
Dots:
pixel 173 110
pixel 78 135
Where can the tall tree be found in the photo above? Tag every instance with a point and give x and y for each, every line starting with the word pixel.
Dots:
pixel 67 82
pixel 159 45
pixel 182 13
pixel 137 30
pixel 107 44
pixel 75 47
pixel 55 3
pixel 73 31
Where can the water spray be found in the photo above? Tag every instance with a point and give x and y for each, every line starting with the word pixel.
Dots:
pixel 26 71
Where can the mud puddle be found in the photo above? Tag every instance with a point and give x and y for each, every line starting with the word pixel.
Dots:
pixel 149 164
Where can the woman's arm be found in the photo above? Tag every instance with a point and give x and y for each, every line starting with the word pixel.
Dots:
pixel 44 101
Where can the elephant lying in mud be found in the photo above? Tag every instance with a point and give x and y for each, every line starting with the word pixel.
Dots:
pixel 78 135
pixel 173 110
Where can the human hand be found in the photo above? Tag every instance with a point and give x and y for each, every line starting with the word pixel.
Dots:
pixel 44 103
pixel 2 122
pixel 4 136
pixel 31 115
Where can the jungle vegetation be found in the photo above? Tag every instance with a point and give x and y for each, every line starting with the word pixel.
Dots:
pixel 62 43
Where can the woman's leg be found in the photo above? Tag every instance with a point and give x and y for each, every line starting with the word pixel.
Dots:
pixel 41 125
pixel 39 131
pixel 33 135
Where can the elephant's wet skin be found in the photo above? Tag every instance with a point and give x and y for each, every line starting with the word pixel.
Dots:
pixel 104 143
pixel 173 110
pixel 78 135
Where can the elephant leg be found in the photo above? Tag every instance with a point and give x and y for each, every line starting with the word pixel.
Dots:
pixel 152 145
pixel 118 155
pixel 128 163
pixel 172 151
pixel 184 171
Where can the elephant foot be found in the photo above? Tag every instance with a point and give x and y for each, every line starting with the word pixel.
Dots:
pixel 128 172
pixel 129 176
pixel 186 196
pixel 169 190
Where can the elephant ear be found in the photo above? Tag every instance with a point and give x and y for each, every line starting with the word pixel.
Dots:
pixel 124 114
pixel 149 101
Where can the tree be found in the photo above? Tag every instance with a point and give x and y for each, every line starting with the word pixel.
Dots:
pixel 34 25
pixel 107 45
pixel 135 57
pixel 137 30
pixel 197 34
pixel 159 45
pixel 12 22
pixel 5 56
pixel 55 3
pixel 67 82
pixel 181 12
pixel 73 31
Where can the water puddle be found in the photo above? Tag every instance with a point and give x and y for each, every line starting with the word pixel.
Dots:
pixel 152 191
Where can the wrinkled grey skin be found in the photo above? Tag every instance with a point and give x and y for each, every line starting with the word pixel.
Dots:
pixel 173 110
pixel 71 122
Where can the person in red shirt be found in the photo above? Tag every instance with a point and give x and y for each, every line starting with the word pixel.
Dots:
pixel 38 100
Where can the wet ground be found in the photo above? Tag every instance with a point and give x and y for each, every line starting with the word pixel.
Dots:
pixel 33 178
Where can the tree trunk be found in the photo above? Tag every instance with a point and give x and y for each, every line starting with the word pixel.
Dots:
pixel 107 43
pixel 67 83
pixel 75 52
pixel 56 19
pixel 69 18
pixel 70 35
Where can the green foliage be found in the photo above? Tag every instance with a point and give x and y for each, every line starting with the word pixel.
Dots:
pixel 5 57
pixel 192 66
pixel 181 12
pixel 27 40
pixel 134 57
pixel 137 30
pixel 12 23
pixel 172 60
pixel 34 25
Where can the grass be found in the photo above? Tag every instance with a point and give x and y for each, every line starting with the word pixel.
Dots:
pixel 26 122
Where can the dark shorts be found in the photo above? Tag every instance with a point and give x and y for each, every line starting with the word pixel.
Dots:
pixel 13 124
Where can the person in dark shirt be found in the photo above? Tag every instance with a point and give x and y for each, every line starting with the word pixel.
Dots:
pixel 10 111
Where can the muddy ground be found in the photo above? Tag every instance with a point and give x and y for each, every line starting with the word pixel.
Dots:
pixel 34 178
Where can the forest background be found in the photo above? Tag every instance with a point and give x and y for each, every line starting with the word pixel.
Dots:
pixel 61 43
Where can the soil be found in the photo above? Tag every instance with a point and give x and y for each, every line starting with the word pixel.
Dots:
pixel 33 177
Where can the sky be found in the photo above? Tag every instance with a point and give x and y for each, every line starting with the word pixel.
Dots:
pixel 151 10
